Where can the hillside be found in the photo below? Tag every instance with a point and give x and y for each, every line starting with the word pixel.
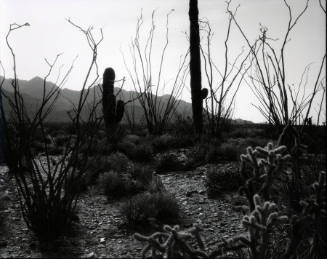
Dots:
pixel 32 92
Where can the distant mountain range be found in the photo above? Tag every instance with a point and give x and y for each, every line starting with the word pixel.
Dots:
pixel 32 91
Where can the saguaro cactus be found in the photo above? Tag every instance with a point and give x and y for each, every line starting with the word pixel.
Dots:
pixel 195 67
pixel 112 111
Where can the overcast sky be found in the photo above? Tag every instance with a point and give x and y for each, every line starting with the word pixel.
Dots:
pixel 50 34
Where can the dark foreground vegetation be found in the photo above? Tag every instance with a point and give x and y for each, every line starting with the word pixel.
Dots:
pixel 281 196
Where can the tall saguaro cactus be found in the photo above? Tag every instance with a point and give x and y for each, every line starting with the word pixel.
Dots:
pixel 112 111
pixel 195 67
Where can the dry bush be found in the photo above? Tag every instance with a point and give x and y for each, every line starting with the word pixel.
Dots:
pixel 145 208
pixel 222 180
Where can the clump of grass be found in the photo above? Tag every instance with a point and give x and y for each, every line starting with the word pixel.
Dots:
pixel 145 208
pixel 219 181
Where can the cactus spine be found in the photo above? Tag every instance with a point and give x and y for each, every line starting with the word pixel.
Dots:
pixel 112 111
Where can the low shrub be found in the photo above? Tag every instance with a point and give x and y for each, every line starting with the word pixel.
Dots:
pixel 163 143
pixel 228 152
pixel 142 174
pixel 118 162
pixel 142 153
pixel 169 162
pixel 143 208
pixel 196 156
pixel 127 148
pixel 116 186
pixel 220 180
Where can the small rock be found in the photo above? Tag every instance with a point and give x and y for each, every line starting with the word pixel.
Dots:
pixel 90 255
pixel 102 240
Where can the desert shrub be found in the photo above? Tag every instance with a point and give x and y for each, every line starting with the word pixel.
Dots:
pixel 163 143
pixel 220 180
pixel 126 147
pixel 143 208
pixel 196 156
pixel 141 173
pixel 118 162
pixel 142 153
pixel 169 162
pixel 228 152
pixel 213 153
pixel 97 164
pixel 116 186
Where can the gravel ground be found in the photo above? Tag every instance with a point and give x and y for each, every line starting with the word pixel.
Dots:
pixel 100 233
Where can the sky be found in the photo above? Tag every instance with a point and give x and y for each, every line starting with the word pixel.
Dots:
pixel 49 33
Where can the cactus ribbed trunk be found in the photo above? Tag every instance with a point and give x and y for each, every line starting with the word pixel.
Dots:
pixel 195 66
pixel 112 111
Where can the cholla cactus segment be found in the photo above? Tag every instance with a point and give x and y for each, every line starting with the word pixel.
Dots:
pixel 267 164
pixel 173 243
pixel 259 223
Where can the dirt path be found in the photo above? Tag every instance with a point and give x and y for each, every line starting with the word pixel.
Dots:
pixel 100 232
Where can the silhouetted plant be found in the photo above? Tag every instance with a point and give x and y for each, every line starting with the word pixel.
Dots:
pixel 113 111
pixel 222 92
pixel 47 208
pixel 280 103
pixel 198 94
pixel 148 82
pixel 267 165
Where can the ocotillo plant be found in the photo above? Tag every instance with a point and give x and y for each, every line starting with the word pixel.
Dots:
pixel 112 111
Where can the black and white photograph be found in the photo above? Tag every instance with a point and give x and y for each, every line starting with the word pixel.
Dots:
pixel 167 129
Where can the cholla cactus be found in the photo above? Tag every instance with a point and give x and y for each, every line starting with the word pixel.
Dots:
pixel 267 165
pixel 173 243
pixel 259 224
pixel 310 224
